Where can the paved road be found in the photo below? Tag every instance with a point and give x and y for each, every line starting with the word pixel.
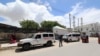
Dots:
pixel 69 49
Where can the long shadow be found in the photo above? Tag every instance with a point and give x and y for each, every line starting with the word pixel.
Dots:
pixel 18 50
pixel 71 41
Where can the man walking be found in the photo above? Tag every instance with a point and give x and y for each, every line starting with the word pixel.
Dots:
pixel 60 40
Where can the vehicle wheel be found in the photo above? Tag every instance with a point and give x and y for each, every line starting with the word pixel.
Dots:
pixel 49 43
pixel 26 46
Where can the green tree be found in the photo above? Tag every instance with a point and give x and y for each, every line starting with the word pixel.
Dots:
pixel 50 24
pixel 29 24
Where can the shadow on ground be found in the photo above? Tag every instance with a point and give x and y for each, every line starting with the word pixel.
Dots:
pixel 71 41
pixel 32 48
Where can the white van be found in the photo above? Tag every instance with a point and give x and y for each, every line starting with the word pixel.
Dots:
pixel 71 37
pixel 38 39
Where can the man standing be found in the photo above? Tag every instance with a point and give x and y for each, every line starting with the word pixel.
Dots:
pixel 60 40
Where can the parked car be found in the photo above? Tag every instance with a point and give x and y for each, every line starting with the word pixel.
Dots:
pixel 71 37
pixel 38 39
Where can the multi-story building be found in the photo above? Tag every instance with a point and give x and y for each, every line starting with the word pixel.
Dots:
pixel 91 29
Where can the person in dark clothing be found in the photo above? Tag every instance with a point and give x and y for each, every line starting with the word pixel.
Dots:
pixel 60 40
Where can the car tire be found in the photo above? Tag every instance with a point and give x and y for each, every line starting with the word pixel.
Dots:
pixel 26 46
pixel 49 43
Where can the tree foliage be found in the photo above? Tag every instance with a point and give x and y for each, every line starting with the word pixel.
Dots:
pixel 45 25
pixel 50 24
pixel 29 24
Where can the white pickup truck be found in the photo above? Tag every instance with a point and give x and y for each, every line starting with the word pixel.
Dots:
pixel 38 39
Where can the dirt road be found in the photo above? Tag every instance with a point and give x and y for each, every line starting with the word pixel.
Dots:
pixel 33 51
pixel 17 52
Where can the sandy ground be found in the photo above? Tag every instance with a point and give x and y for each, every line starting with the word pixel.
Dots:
pixel 13 52
pixel 78 49
pixel 69 49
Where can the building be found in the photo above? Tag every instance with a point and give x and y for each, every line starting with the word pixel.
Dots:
pixel 7 28
pixel 60 30
pixel 92 29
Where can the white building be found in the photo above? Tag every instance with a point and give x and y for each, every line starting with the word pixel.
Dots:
pixel 59 30
pixel 90 29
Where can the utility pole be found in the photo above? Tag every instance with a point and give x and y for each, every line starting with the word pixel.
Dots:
pixel 70 20
pixel 78 24
pixel 81 25
pixel 74 22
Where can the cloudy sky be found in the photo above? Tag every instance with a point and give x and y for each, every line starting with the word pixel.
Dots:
pixel 13 11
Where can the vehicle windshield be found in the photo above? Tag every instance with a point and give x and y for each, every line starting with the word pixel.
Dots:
pixel 76 35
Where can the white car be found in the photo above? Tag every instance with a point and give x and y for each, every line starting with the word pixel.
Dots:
pixel 71 37
pixel 38 39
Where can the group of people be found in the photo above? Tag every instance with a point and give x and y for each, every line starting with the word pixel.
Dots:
pixel 84 39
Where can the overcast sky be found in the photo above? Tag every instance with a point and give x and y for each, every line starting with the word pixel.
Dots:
pixel 13 11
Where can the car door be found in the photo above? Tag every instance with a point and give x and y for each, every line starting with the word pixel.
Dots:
pixel 38 38
pixel 69 37
pixel 45 38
